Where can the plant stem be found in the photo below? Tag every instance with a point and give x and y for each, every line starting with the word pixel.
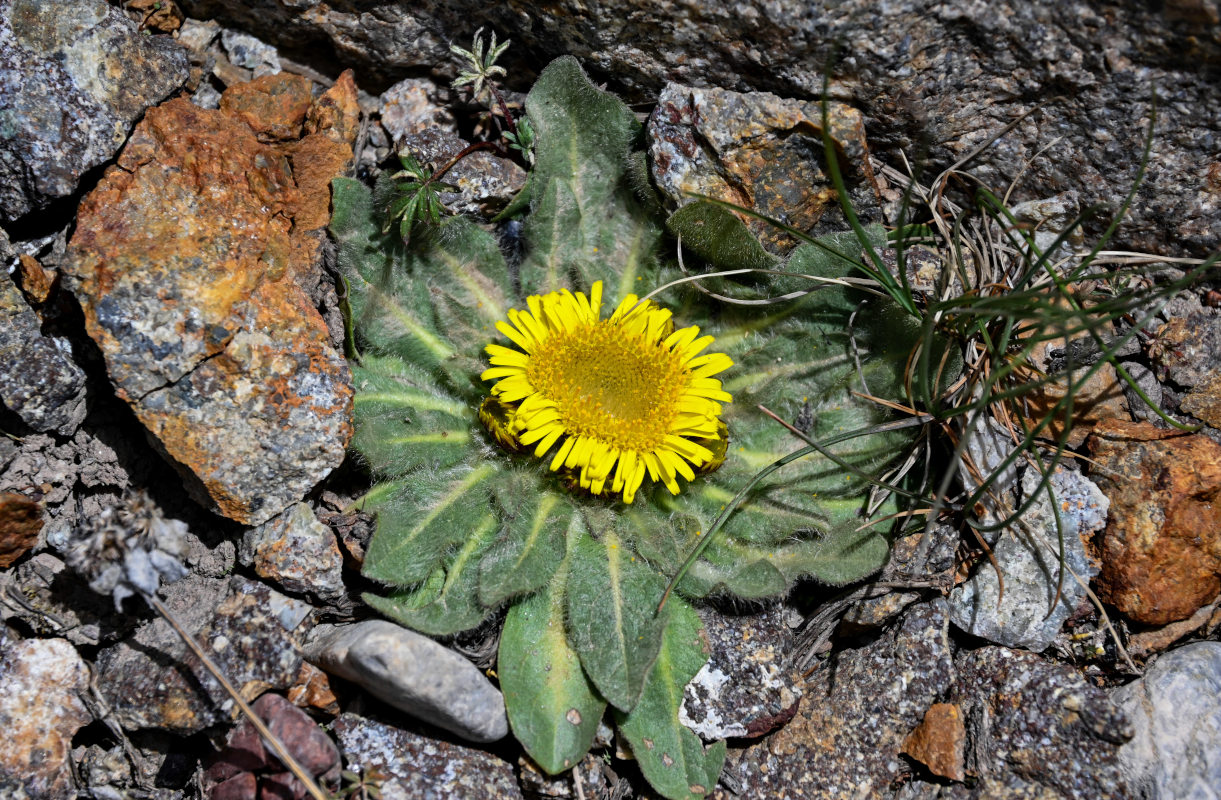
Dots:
pixel 461 154
pixel 504 108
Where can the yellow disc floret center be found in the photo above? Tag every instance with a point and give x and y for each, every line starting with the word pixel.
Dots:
pixel 617 398
pixel 610 383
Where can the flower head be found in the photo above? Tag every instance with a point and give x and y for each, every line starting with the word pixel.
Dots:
pixel 620 397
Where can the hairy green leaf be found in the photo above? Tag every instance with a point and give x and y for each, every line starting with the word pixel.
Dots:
pixel 531 543
pixel 672 757
pixel 552 707
pixel 716 235
pixel 419 517
pixel 585 215
pixel 612 596
pixel 405 420
pixel 448 602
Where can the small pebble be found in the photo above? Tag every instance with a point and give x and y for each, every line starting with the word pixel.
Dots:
pixel 414 674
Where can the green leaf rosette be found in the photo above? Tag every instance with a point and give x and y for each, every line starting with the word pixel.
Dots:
pixel 466 526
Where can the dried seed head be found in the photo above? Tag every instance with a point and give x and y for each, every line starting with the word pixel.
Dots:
pixel 128 549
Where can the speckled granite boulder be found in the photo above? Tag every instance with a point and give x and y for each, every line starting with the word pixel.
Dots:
pixel 415 766
pixel 253 633
pixel 75 75
pixel 1032 722
pixel 1166 758
pixel 41 681
pixel 858 708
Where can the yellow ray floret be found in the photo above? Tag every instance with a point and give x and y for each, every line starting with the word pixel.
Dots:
pixel 618 398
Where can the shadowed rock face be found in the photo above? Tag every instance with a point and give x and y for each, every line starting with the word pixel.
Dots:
pixel 186 261
pixel 932 79
pixel 74 76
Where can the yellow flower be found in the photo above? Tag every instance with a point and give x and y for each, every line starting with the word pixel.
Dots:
pixel 624 395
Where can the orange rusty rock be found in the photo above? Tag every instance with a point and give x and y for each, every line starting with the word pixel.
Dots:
pixel 274 106
pixel 938 742
pixel 20 523
pixel 1161 551
pixel 324 152
pixel 1204 401
pixel 41 685
pixel 185 260
pixel 36 279
pixel 313 690
pixel 336 114
pixel 163 16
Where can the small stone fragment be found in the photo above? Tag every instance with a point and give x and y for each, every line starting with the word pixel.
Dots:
pixel 297 552
pixel 1048 218
pixel 250 53
pixel 40 382
pixel 274 106
pixel 1043 723
pixel 408 107
pixel 414 674
pixel 163 16
pixel 41 681
pixel 74 76
pixel 336 114
pixel 413 766
pixel 1204 401
pixel 1147 382
pixel 1161 552
pixel 758 151
pixel 228 364
pixel 1099 397
pixel 105 772
pixel 1175 711
pixel 240 622
pixel 245 753
pixel 1027 553
pixel 20 522
pixel 36 280
pixel 243 786
pixel 939 741
pixel 1143 644
pixel 1187 349
pixel 743 691
pixel 313 690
